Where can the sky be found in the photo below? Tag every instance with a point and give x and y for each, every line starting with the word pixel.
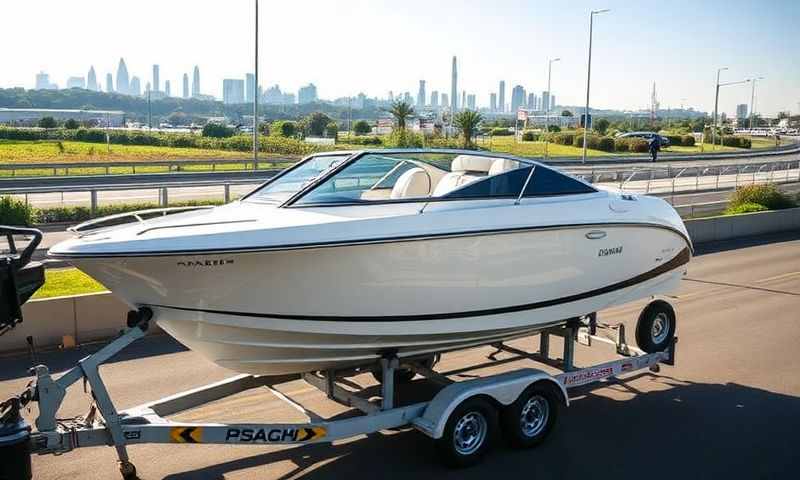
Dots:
pixel 373 46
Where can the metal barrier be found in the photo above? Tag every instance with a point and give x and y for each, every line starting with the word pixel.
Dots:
pixel 171 165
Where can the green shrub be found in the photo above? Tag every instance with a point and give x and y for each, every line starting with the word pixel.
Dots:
pixel 630 144
pixel 362 127
pixel 529 136
pixel 565 138
pixel 767 195
pixel 284 128
pixel 737 142
pixel 47 122
pixel 606 144
pixel 82 214
pixel 217 130
pixel 15 212
pixel 361 140
pixel 404 139
pixel 501 132
pixel 745 208
pixel 592 141
pixel 331 130
pixel 674 140
pixel 71 124
pixel 687 140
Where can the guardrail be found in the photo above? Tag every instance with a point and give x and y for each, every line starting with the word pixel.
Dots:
pixel 171 165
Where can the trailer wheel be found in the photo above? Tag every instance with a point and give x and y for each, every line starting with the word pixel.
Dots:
pixel 529 420
pixel 655 328
pixel 468 434
pixel 128 471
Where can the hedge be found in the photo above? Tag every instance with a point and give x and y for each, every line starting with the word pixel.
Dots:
pixel 566 138
pixel 631 144
pixel 737 142
pixel 767 195
pixel 361 140
pixel 530 136
pixel 501 132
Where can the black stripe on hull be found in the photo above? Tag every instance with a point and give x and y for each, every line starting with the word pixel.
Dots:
pixel 679 260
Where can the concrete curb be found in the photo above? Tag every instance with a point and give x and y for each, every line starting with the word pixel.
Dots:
pixel 99 316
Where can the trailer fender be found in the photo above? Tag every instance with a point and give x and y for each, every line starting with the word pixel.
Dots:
pixel 503 388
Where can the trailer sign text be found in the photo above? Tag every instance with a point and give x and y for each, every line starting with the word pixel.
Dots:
pixel 274 435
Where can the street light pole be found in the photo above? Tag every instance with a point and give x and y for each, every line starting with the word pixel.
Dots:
pixel 255 98
pixel 547 112
pixel 716 106
pixel 588 80
pixel 753 100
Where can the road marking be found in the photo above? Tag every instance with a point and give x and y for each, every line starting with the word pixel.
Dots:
pixel 736 285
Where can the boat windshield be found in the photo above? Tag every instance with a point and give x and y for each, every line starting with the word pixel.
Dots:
pixel 292 181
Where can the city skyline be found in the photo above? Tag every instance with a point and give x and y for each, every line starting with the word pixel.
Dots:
pixel 676 54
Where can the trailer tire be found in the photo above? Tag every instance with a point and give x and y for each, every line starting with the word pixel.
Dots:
pixel 528 421
pixel 655 329
pixel 468 434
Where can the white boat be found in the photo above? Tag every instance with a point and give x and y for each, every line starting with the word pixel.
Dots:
pixel 349 256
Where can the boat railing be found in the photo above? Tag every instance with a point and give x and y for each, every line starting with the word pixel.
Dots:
pixel 92 226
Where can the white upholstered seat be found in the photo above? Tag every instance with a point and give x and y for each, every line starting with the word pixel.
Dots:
pixel 413 183
pixel 465 169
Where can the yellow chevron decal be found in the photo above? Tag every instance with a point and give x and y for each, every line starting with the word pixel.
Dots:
pixel 186 434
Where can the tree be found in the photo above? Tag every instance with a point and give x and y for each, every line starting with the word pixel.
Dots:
pixel 71 124
pixel 467 121
pixel 361 127
pixel 284 128
pixel 601 126
pixel 178 118
pixel 48 122
pixel 332 130
pixel 317 122
pixel 401 111
pixel 217 130
pixel 566 113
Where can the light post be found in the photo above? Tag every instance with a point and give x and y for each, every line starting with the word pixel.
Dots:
pixel 753 100
pixel 255 98
pixel 588 79
pixel 716 103
pixel 547 112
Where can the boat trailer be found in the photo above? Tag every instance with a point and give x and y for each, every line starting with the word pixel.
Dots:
pixel 462 418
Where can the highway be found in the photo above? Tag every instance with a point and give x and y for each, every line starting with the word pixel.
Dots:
pixel 729 409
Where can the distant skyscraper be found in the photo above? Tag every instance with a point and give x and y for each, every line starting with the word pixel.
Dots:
pixel 454 87
pixel 136 86
pixel 43 82
pixel 471 101
pixel 445 100
pixel 391 96
pixel 76 82
pixel 196 82
pixel 407 98
pixel 109 83
pixel 156 81
pixel 435 99
pixel 249 87
pixel 545 101
pixel 741 111
pixel 493 102
pixel 307 94
pixel 91 80
pixel 232 91
pixel 123 83
pixel 531 101
pixel 463 99
pixel 517 98
pixel 501 97
pixel 553 103
pixel 185 85
pixel 167 88
pixel 421 95
pixel 147 88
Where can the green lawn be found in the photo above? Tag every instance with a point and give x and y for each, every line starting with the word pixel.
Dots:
pixel 534 149
pixel 67 281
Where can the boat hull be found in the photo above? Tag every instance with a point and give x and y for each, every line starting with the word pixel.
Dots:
pixel 294 310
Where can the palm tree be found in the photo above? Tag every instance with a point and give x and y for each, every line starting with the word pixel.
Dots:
pixel 401 111
pixel 468 122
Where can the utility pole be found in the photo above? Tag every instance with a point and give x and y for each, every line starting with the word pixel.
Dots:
pixel 588 80
pixel 149 112
pixel 549 102
pixel 753 100
pixel 716 106
pixel 255 98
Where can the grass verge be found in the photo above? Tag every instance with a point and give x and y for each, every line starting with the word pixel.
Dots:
pixel 67 281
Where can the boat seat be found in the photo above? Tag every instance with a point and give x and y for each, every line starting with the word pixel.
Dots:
pixel 464 170
pixel 413 183
pixel 502 165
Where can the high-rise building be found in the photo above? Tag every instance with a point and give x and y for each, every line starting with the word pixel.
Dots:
pixel 421 95
pixel 454 87
pixel 553 103
pixel 109 83
pixel 407 98
pixel 156 81
pixel 136 86
pixel 232 91
pixel 196 82
pixel 435 99
pixel 249 87
pixel 471 101
pixel 91 80
pixel 501 97
pixel 545 101
pixel 445 100
pixel 741 111
pixel 517 98
pixel 167 88
pixel 493 102
pixel 531 103
pixel 123 82
pixel 307 94
pixel 463 99
pixel 274 96
pixel 185 85
pixel 76 82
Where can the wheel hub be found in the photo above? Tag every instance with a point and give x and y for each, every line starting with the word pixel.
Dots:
pixel 534 416
pixel 470 433
pixel 660 328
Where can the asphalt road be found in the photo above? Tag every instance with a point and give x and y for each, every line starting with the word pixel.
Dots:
pixel 729 409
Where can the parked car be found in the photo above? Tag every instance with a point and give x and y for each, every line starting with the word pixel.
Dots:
pixel 647 136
